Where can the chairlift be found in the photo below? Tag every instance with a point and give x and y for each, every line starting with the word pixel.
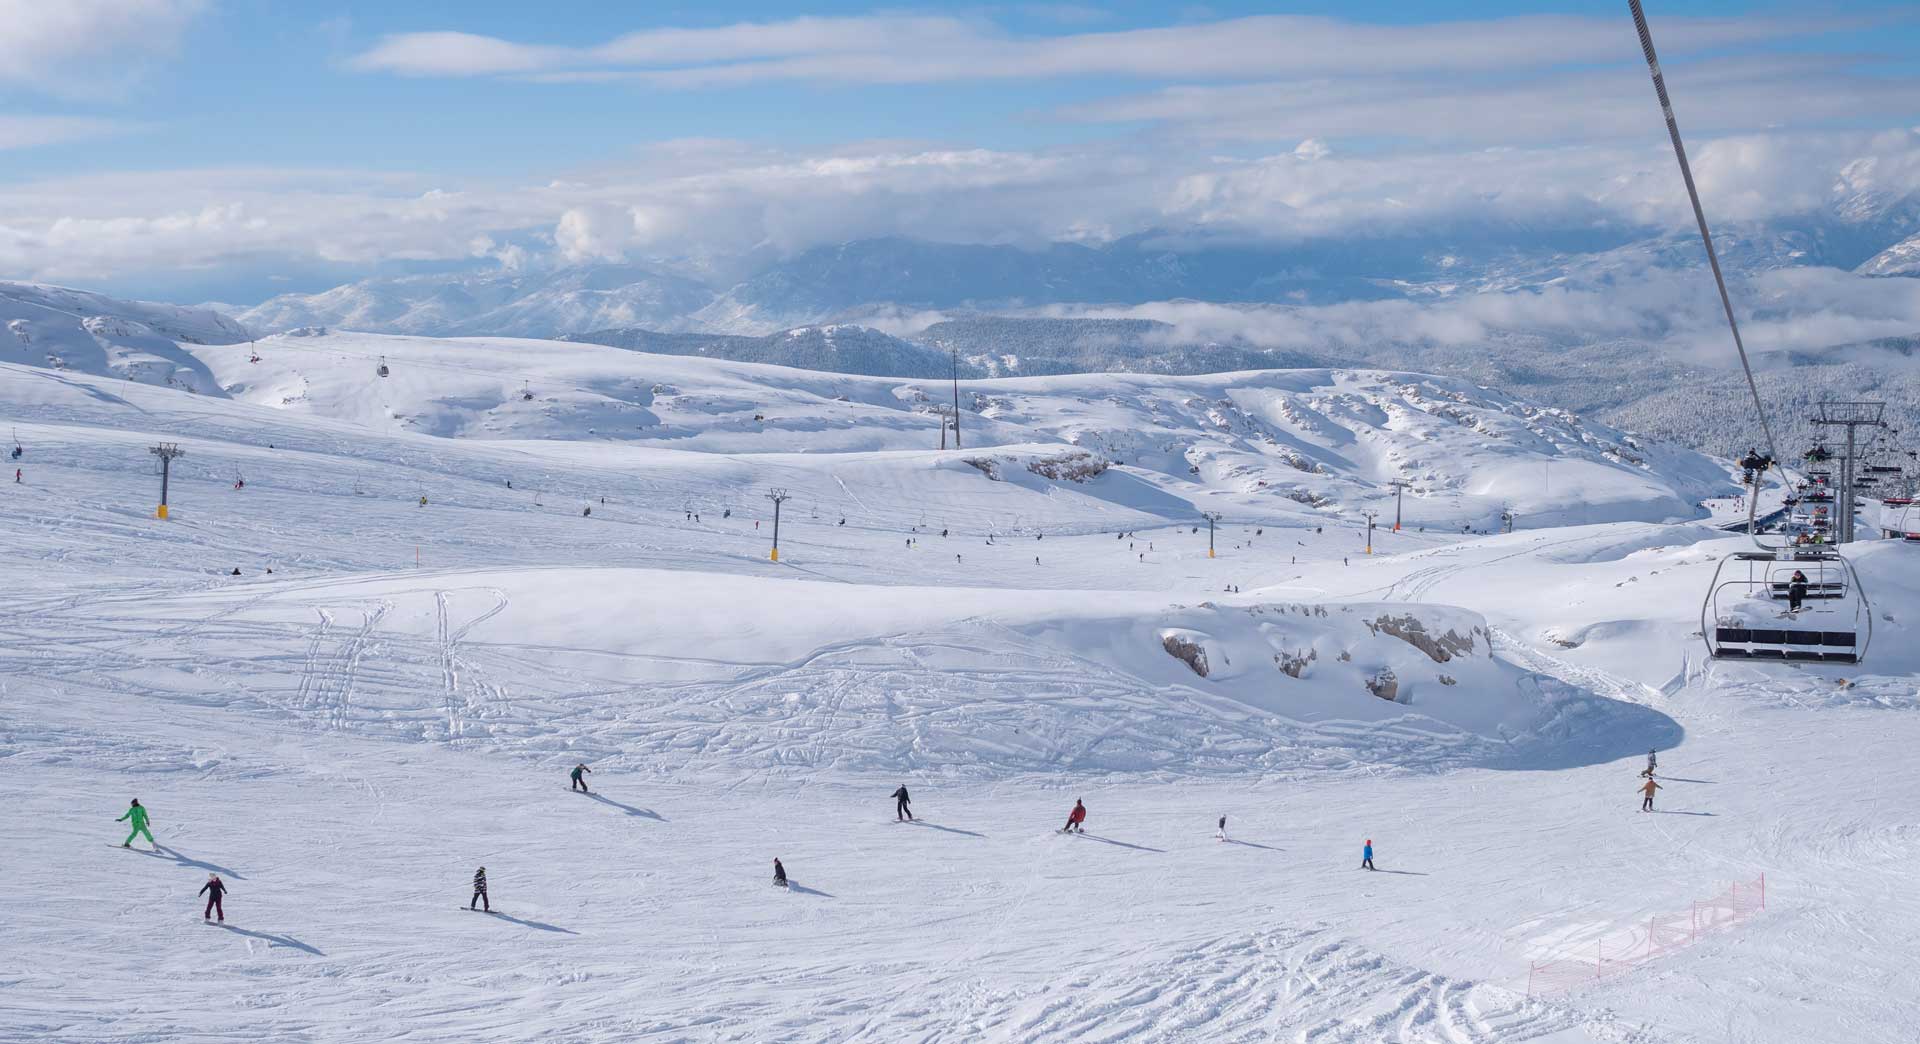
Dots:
pixel 1742 619
pixel 383 366
pixel 18 450
pixel 253 353
pixel 239 480
pixel 526 392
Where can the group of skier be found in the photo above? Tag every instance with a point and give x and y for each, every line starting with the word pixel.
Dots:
pixel 215 889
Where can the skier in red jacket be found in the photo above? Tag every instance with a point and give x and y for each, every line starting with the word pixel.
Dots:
pixel 1076 819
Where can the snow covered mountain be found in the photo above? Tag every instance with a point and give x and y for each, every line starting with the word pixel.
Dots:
pixel 1273 442
pixel 500 303
pixel 1900 259
pixel 82 332
pixel 508 557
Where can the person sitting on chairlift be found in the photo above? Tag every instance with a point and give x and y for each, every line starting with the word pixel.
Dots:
pixel 1796 591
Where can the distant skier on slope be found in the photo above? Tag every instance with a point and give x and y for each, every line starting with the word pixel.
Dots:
pixel 1076 819
pixel 1221 834
pixel 1366 855
pixel 900 803
pixel 138 814
pixel 1652 761
pixel 213 890
pixel 480 890
pixel 779 874
pixel 1796 590
pixel 579 783
pixel 1648 788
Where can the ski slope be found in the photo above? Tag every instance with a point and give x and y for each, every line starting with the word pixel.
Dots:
pixel 347 739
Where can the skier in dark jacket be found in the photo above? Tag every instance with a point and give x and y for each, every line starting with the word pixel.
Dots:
pixel 900 801
pixel 779 874
pixel 1076 819
pixel 1796 590
pixel 480 890
pixel 213 890
pixel 578 783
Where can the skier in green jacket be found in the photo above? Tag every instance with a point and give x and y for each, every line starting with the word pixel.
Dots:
pixel 138 813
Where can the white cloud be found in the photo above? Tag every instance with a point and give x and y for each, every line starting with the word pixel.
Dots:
pixel 720 201
pixel 20 132
pixel 907 48
pixel 86 48
pixel 1586 106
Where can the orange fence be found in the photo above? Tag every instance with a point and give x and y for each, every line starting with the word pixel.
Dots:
pixel 1660 934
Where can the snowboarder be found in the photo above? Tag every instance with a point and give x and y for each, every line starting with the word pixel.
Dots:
pixel 724 512
pixel 1221 833
pixel 423 500
pixel 480 891
pixel 1652 760
pixel 900 802
pixel 1366 855
pixel 578 783
pixel 943 532
pixel 138 814
pixel 779 874
pixel 586 512
pixel 1796 590
pixel 1076 819
pixel 1648 788
pixel 213 890
pixel 236 571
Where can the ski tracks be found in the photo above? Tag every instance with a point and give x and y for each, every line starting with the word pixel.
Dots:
pixel 1307 985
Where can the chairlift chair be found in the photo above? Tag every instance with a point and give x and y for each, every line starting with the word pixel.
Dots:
pixel 1742 617
pixel 383 366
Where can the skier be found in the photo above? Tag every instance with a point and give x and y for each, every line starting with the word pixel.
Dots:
pixel 586 512
pixel 213 890
pixel 1796 590
pixel 724 512
pixel 943 532
pixel 423 500
pixel 1648 788
pixel 1366 855
pixel 16 476
pixel 138 814
pixel 578 783
pixel 480 890
pixel 1221 834
pixel 1651 762
pixel 1076 819
pixel 900 802
pixel 779 874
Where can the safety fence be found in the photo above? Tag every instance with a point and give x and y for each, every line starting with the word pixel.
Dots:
pixel 1661 934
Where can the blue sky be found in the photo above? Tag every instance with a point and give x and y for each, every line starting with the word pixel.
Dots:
pixel 186 147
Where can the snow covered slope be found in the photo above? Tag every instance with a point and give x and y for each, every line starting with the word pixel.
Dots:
pixel 83 332
pixel 1266 443
pixel 347 738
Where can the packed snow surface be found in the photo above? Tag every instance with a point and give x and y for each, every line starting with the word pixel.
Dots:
pixel 1003 629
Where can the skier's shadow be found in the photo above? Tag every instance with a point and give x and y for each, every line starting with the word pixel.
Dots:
pixel 1676 812
pixel 523 922
pixel 945 829
pixel 1677 779
pixel 274 940
pixel 795 886
pixel 643 813
pixel 1409 873
pixel 1122 844
pixel 1250 844
pixel 163 852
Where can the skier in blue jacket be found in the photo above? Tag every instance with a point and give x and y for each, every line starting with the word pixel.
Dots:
pixel 1366 855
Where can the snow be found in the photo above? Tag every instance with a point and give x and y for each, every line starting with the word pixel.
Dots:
pixel 347 739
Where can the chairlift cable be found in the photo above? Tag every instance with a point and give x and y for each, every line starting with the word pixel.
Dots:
pixel 1706 236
